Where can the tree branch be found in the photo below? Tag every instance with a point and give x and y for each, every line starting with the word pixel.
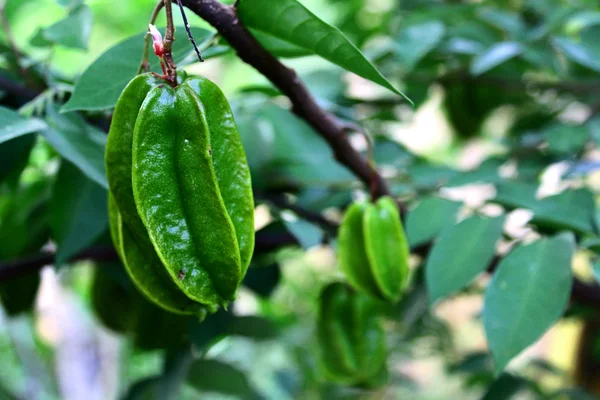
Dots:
pixel 224 19
pixel 265 243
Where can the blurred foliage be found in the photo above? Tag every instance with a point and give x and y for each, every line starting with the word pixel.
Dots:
pixel 505 120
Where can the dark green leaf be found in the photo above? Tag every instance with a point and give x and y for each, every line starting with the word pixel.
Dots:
pixel 308 235
pixel 269 133
pixel 252 327
pixel 279 47
pixel 532 280
pixel 415 41
pixel 145 389
pixel 582 53
pixel 462 253
pixel 263 280
pixel 292 22
pixel 78 142
pixel 572 209
pixel 14 155
pixel 78 212
pixel 216 376
pixel 74 31
pixel 429 218
pixel 505 387
pixel 494 56
pixel 94 91
pixel 13 125
pixel 564 139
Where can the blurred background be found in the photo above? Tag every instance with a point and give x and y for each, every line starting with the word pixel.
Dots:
pixel 505 91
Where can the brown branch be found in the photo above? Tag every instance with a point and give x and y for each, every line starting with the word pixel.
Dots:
pixel 225 20
pixel 265 243
pixel 169 38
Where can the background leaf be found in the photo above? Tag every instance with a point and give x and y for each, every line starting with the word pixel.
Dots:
pixel 94 91
pixel 78 142
pixel 461 253
pixel 528 293
pixel 216 376
pixel 494 56
pixel 13 125
pixel 78 212
pixel 74 31
pixel 429 218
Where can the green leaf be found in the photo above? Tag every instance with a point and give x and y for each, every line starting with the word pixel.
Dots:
pixel 564 139
pixel 308 235
pixel 269 133
pixel 571 209
pixel 94 91
pixel 78 142
pixel 263 280
pixel 583 53
pixel 279 47
pixel 13 125
pixel 292 22
pixel 145 389
pixel 416 41
pixel 15 155
pixel 253 327
pixel 78 212
pixel 527 295
pixel 218 377
pixel 461 253
pixel 505 387
pixel 494 56
pixel 74 31
pixel 430 217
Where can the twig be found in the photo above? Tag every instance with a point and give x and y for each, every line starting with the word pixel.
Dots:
pixel 189 32
pixel 280 200
pixel 265 243
pixel 145 65
pixel 169 38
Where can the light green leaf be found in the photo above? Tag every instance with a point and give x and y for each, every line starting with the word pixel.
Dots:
pixel 13 125
pixel 566 138
pixel 78 142
pixel 94 91
pixel 582 53
pixel 461 253
pixel 571 209
pixel 78 212
pixel 308 235
pixel 218 377
pixel 528 293
pixel 429 218
pixel 494 56
pixel 278 47
pixel 290 21
pixel 74 31
pixel 416 41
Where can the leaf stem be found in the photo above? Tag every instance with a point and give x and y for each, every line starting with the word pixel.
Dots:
pixel 168 42
pixel 144 65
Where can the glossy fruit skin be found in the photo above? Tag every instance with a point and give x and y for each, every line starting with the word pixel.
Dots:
pixel 128 233
pixel 350 336
pixel 190 255
pixel 373 249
